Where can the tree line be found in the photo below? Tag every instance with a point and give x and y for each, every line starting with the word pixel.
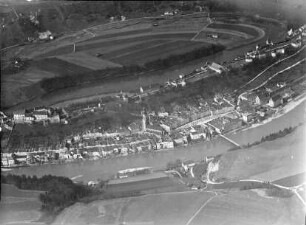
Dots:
pixel 60 192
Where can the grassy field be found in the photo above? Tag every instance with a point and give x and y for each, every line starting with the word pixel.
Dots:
pixel 18 206
pixel 236 208
pixel 158 51
pixel 85 46
pixel 293 180
pixel 59 67
pixel 268 161
pixel 171 208
pixel 87 61
pixel 162 184
pixel 246 207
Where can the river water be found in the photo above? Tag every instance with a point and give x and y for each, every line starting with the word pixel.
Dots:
pixel 103 169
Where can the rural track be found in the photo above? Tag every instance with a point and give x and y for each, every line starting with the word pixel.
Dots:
pixel 200 209
pixel 267 68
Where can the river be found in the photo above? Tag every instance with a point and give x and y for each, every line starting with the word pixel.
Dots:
pixel 103 169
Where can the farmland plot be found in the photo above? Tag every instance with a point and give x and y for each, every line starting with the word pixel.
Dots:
pixel 159 51
pixel 87 61
pixel 59 67
pixel 246 207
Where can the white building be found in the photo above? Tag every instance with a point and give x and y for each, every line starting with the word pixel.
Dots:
pixel 40 115
pixel 18 117
pixel 216 67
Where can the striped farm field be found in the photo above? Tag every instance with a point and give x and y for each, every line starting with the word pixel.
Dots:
pixel 59 67
pixel 87 61
pixel 158 51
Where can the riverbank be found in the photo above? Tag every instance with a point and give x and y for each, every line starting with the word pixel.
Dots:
pixel 283 110
pixel 104 169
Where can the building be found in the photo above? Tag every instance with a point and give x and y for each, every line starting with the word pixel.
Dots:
pixel 273 54
pixel 155 129
pixel 262 98
pixel 166 143
pixel 247 117
pixel 275 101
pixel 296 44
pixel 134 172
pixel 280 51
pixel 287 94
pixel 197 132
pixel 45 35
pixel 29 119
pixel 162 114
pixel 216 67
pixel 179 139
pixel 40 115
pixel 166 128
pixel 18 117
pixel 55 119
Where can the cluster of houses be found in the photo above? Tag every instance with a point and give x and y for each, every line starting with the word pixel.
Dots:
pixel 41 114
pixel 260 103
pixel 206 70
pixel 294 39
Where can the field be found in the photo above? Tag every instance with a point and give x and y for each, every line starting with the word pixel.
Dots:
pixel 157 51
pixel 235 208
pixel 293 180
pixel 85 60
pixel 59 67
pixel 268 161
pixel 153 185
pixel 18 206
pixel 247 29
pixel 136 43
pixel 246 207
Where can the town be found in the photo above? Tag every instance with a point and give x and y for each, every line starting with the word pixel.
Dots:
pixel 152 130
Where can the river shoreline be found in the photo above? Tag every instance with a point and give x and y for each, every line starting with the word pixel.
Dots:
pixel 87 170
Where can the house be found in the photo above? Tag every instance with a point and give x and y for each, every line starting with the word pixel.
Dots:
pixel 54 119
pixel 7 161
pixel 275 101
pixel 45 35
pixel 296 44
pixel 124 151
pixel 197 133
pixel 248 59
pixel 166 127
pixel 280 50
pixel 155 129
pixel 250 97
pixel 287 94
pixel 179 139
pixel 40 115
pixel 261 55
pixel 247 117
pixel 216 67
pixel 187 165
pixel 162 114
pixel 262 98
pixel 29 119
pixel 18 117
pixel 166 142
